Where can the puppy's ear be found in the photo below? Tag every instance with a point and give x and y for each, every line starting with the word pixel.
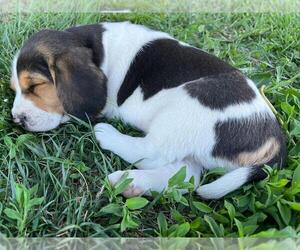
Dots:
pixel 80 84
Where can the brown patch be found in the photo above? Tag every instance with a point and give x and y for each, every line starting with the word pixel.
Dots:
pixel 29 79
pixel 24 79
pixel 262 155
pixel 40 91
pixel 45 97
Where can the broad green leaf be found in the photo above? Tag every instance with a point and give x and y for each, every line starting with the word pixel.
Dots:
pixel 240 227
pixel 273 211
pixel 248 230
pixel 12 152
pixel 294 205
pixel 26 197
pixel 285 212
pixel 35 202
pixel 230 209
pixel 214 227
pixel 279 184
pixel 295 151
pixel 195 224
pixel 24 138
pixel 202 207
pixel 18 193
pixel 8 142
pixel 220 218
pixel 296 130
pixel 136 203
pixel 184 201
pixel 12 214
pixel 128 222
pixel 178 178
pixel 286 232
pixel 177 216
pixel 296 176
pixel 162 224
pixel 287 108
pixel 112 208
pixel 177 195
pixel 181 230
pixel 242 201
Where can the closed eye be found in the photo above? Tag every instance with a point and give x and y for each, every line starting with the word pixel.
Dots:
pixel 32 87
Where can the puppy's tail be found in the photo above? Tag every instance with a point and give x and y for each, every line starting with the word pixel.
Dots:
pixel 238 177
pixel 230 182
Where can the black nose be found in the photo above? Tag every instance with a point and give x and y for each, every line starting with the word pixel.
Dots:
pixel 20 119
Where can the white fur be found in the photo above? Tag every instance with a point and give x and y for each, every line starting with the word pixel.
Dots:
pixel 225 184
pixel 179 130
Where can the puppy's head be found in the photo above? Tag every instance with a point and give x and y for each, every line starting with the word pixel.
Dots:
pixel 57 73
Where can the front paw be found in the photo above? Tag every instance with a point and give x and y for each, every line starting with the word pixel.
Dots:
pixel 107 135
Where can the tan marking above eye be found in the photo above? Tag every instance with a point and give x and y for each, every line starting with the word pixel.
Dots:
pixel 260 156
pixel 45 97
pixel 24 79
pixel 43 93
pixel 28 79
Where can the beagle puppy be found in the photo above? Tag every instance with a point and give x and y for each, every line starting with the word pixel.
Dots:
pixel 195 109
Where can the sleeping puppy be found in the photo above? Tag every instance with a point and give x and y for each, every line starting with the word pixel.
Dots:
pixel 195 110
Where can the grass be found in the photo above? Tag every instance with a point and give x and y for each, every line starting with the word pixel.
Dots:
pixel 53 184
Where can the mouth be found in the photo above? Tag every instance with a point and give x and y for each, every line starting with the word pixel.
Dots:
pixel 40 124
pixel 22 125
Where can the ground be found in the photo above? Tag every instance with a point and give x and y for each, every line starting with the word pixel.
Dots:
pixel 53 184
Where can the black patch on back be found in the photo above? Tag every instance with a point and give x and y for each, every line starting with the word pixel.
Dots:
pixel 222 90
pixel 165 63
pixel 235 136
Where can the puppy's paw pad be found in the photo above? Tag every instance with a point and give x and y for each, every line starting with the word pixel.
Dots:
pixel 133 191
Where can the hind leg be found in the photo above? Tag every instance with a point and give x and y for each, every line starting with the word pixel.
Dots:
pixel 156 179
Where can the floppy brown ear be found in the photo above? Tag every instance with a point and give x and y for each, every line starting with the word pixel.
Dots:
pixel 80 84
